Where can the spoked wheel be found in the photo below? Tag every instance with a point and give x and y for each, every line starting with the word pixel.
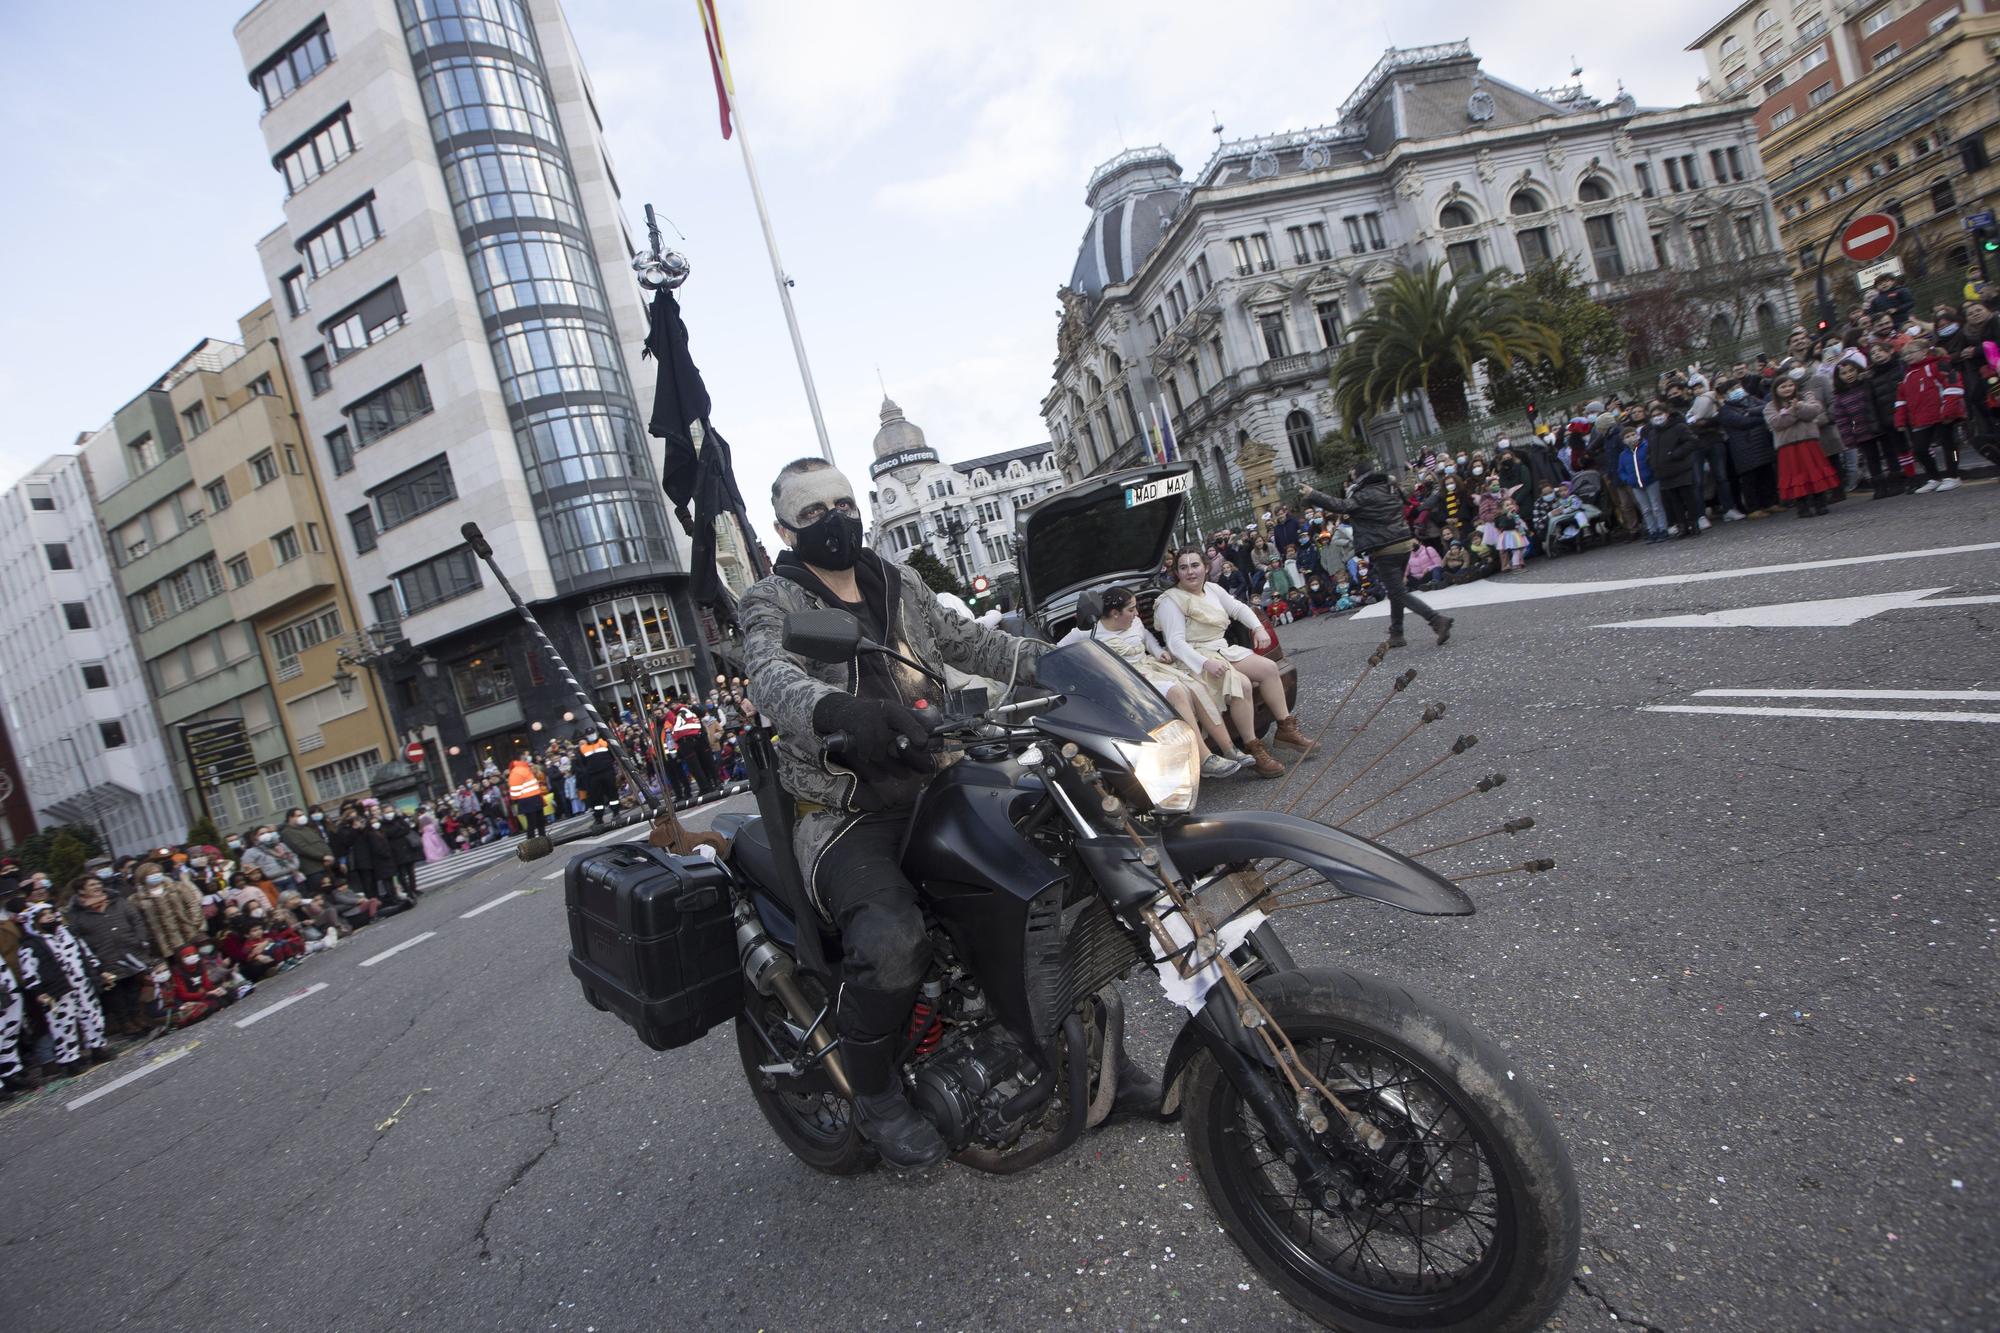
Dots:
pixel 817 1124
pixel 1465 1219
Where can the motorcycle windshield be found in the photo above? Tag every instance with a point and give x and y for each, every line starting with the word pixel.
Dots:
pixel 1101 693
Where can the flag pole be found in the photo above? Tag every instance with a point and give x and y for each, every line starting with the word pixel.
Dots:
pixel 725 84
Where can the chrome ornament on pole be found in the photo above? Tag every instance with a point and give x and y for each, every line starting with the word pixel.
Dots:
pixel 659 267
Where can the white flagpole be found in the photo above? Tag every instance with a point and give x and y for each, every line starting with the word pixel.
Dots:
pixel 777 265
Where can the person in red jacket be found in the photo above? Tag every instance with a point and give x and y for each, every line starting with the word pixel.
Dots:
pixel 199 987
pixel 1929 405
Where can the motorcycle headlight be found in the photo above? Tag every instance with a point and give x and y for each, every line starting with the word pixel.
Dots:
pixel 1167 767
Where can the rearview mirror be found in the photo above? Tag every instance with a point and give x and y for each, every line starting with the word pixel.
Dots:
pixel 823 636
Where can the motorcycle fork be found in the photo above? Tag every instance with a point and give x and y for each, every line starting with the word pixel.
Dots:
pixel 1250 1072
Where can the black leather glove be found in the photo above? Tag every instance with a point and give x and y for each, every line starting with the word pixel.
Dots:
pixel 870 729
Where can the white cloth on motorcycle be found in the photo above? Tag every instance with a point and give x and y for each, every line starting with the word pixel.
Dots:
pixel 1191 992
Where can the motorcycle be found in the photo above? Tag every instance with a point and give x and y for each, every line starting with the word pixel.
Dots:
pixel 1377 1160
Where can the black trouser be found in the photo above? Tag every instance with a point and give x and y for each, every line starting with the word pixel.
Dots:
pixel 120 1001
pixel 1394 571
pixel 700 759
pixel 1683 506
pixel 531 810
pixel 405 879
pixel 1923 438
pixel 1880 455
pixel 885 949
pixel 677 774
pixel 1758 487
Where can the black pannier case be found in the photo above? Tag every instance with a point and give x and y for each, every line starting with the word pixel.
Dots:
pixel 652 940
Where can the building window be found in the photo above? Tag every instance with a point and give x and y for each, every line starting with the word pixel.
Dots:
pixel 1299 437
pixel 1260 250
pixel 1716 165
pixel 341 237
pixel 76 615
pixel 95 677
pixel 40 500
pixel 1886 54
pixel 361 522
pixel 1735 156
pixel 319 375
pixel 1673 166
pixel 1297 236
pixel 1534 246
pixel 279 779
pixel 1660 257
pixel 1879 20
pixel 389 408
pixel 366 322
pixel 1820 94
pixel 1322 247
pixel 1811 60
pixel 1943 197
pixel 1731 46
pixel 1766 20
pixel 1454 215
pixel 1355 245
pixel 1373 223
pixel 239 570
pixel 1463 258
pixel 1784 116
pixel 1972 152
pixel 314 542
pixel 112 735
pixel 1525 202
pixel 1748 242
pixel 1644 172
pixel 340 450
pixel 217 493
pixel 294 64
pixel 194 420
pixel 343 777
pixel 1602 233
pixel 288 641
pixel 58 555
pixel 436 580
pixel 261 387
pixel 1704 252
pixel 315 153
pixel 264 468
pixel 1239 250
pixel 483 682
pixel 383 603
pixel 1272 327
pixel 285 545
pixel 418 491
pixel 1329 324
pixel 1202 282
pixel 1595 191
pixel 1775 84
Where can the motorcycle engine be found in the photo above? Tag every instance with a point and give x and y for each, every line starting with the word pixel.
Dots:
pixel 965 1086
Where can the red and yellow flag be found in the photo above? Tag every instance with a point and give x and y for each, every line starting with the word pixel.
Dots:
pixel 718 61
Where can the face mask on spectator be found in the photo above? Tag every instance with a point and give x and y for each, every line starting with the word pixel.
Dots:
pixel 104 872
pixel 374 823
pixel 1659 418
pixel 298 819
pixel 1798 372
pixel 1737 394
pixel 207 950
pixel 236 844
pixel 256 914
pixel 267 838
pixel 1946 330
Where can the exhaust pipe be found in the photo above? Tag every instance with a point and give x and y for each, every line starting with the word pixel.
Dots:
pixel 770 971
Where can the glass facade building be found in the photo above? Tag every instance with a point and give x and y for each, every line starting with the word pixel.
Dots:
pixel 541 296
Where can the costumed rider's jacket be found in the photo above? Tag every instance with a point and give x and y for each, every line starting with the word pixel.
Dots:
pixel 908 619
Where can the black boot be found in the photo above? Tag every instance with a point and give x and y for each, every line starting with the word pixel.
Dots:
pixel 1396 639
pixel 1441 626
pixel 1819 503
pixel 1139 1094
pixel 883 1114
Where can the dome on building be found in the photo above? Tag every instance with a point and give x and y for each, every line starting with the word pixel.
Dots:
pixel 1133 199
pixel 899 442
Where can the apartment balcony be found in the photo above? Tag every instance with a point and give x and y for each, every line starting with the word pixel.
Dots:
pixel 1297 368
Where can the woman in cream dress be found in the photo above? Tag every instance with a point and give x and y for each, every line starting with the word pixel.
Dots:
pixel 1193 616
pixel 1118 629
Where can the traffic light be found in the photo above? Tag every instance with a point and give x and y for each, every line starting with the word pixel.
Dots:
pixel 1531 418
pixel 1989 240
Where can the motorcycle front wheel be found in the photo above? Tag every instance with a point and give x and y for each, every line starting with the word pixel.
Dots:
pixel 1467 1219
pixel 818 1127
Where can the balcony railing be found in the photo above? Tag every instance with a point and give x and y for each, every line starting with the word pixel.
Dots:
pixel 1297 366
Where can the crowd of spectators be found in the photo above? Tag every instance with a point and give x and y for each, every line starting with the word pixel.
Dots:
pixel 1885 402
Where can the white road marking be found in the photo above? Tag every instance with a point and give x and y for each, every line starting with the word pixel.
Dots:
pixel 160 1062
pixel 555 874
pixel 1493 592
pixel 1825 613
pixel 489 906
pixel 1851 714
pixel 1953 696
pixel 289 1000
pixel 414 940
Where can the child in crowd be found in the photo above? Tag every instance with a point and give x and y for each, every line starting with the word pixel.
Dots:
pixel 1457 562
pixel 1512 542
pixel 1426 568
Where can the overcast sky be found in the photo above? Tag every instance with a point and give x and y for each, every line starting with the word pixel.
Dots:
pixel 924 163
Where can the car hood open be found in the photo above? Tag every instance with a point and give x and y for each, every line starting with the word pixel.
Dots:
pixel 1090 534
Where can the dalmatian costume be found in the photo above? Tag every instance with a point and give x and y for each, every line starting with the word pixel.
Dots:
pixel 76 1019
pixel 14 1011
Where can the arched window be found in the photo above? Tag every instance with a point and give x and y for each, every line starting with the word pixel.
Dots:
pixel 1095 385
pixel 1524 202
pixel 1594 190
pixel 1767 318
pixel 1454 215
pixel 1219 466
pixel 1111 360
pixel 1720 331
pixel 1766 20
pixel 1299 435
pixel 1730 46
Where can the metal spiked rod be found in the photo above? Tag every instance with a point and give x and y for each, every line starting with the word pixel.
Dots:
pixel 535 848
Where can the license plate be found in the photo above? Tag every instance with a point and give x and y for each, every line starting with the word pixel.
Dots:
pixel 1178 484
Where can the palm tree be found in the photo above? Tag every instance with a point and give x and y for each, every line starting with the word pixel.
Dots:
pixel 1426 331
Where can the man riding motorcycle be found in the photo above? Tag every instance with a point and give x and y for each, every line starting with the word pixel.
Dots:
pixel 854 805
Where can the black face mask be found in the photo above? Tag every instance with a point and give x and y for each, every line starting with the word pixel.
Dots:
pixel 831 541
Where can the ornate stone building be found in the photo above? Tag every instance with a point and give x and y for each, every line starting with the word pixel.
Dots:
pixel 963 513
pixel 1225 299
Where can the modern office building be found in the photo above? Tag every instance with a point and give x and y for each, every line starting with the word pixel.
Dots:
pixel 962 513
pixel 86 745
pixel 452 276
pixel 1225 297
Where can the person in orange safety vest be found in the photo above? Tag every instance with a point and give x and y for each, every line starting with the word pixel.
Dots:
pixel 526 786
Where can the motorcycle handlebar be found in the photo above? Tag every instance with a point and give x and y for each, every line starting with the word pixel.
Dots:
pixel 938 722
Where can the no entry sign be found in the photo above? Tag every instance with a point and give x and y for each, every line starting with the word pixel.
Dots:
pixel 414 752
pixel 1868 237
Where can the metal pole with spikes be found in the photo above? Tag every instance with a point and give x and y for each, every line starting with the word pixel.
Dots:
pixel 484 550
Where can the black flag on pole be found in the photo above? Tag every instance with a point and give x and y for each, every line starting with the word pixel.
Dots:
pixel 705 478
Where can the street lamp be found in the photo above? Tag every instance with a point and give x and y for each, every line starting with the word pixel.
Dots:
pixel 345 681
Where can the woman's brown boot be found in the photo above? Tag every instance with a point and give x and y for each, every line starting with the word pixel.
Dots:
pixel 1262 762
pixel 1289 735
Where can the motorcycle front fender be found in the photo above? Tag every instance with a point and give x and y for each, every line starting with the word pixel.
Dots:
pixel 1353 865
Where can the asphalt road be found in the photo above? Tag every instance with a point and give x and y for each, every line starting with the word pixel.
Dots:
pixel 1758 990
